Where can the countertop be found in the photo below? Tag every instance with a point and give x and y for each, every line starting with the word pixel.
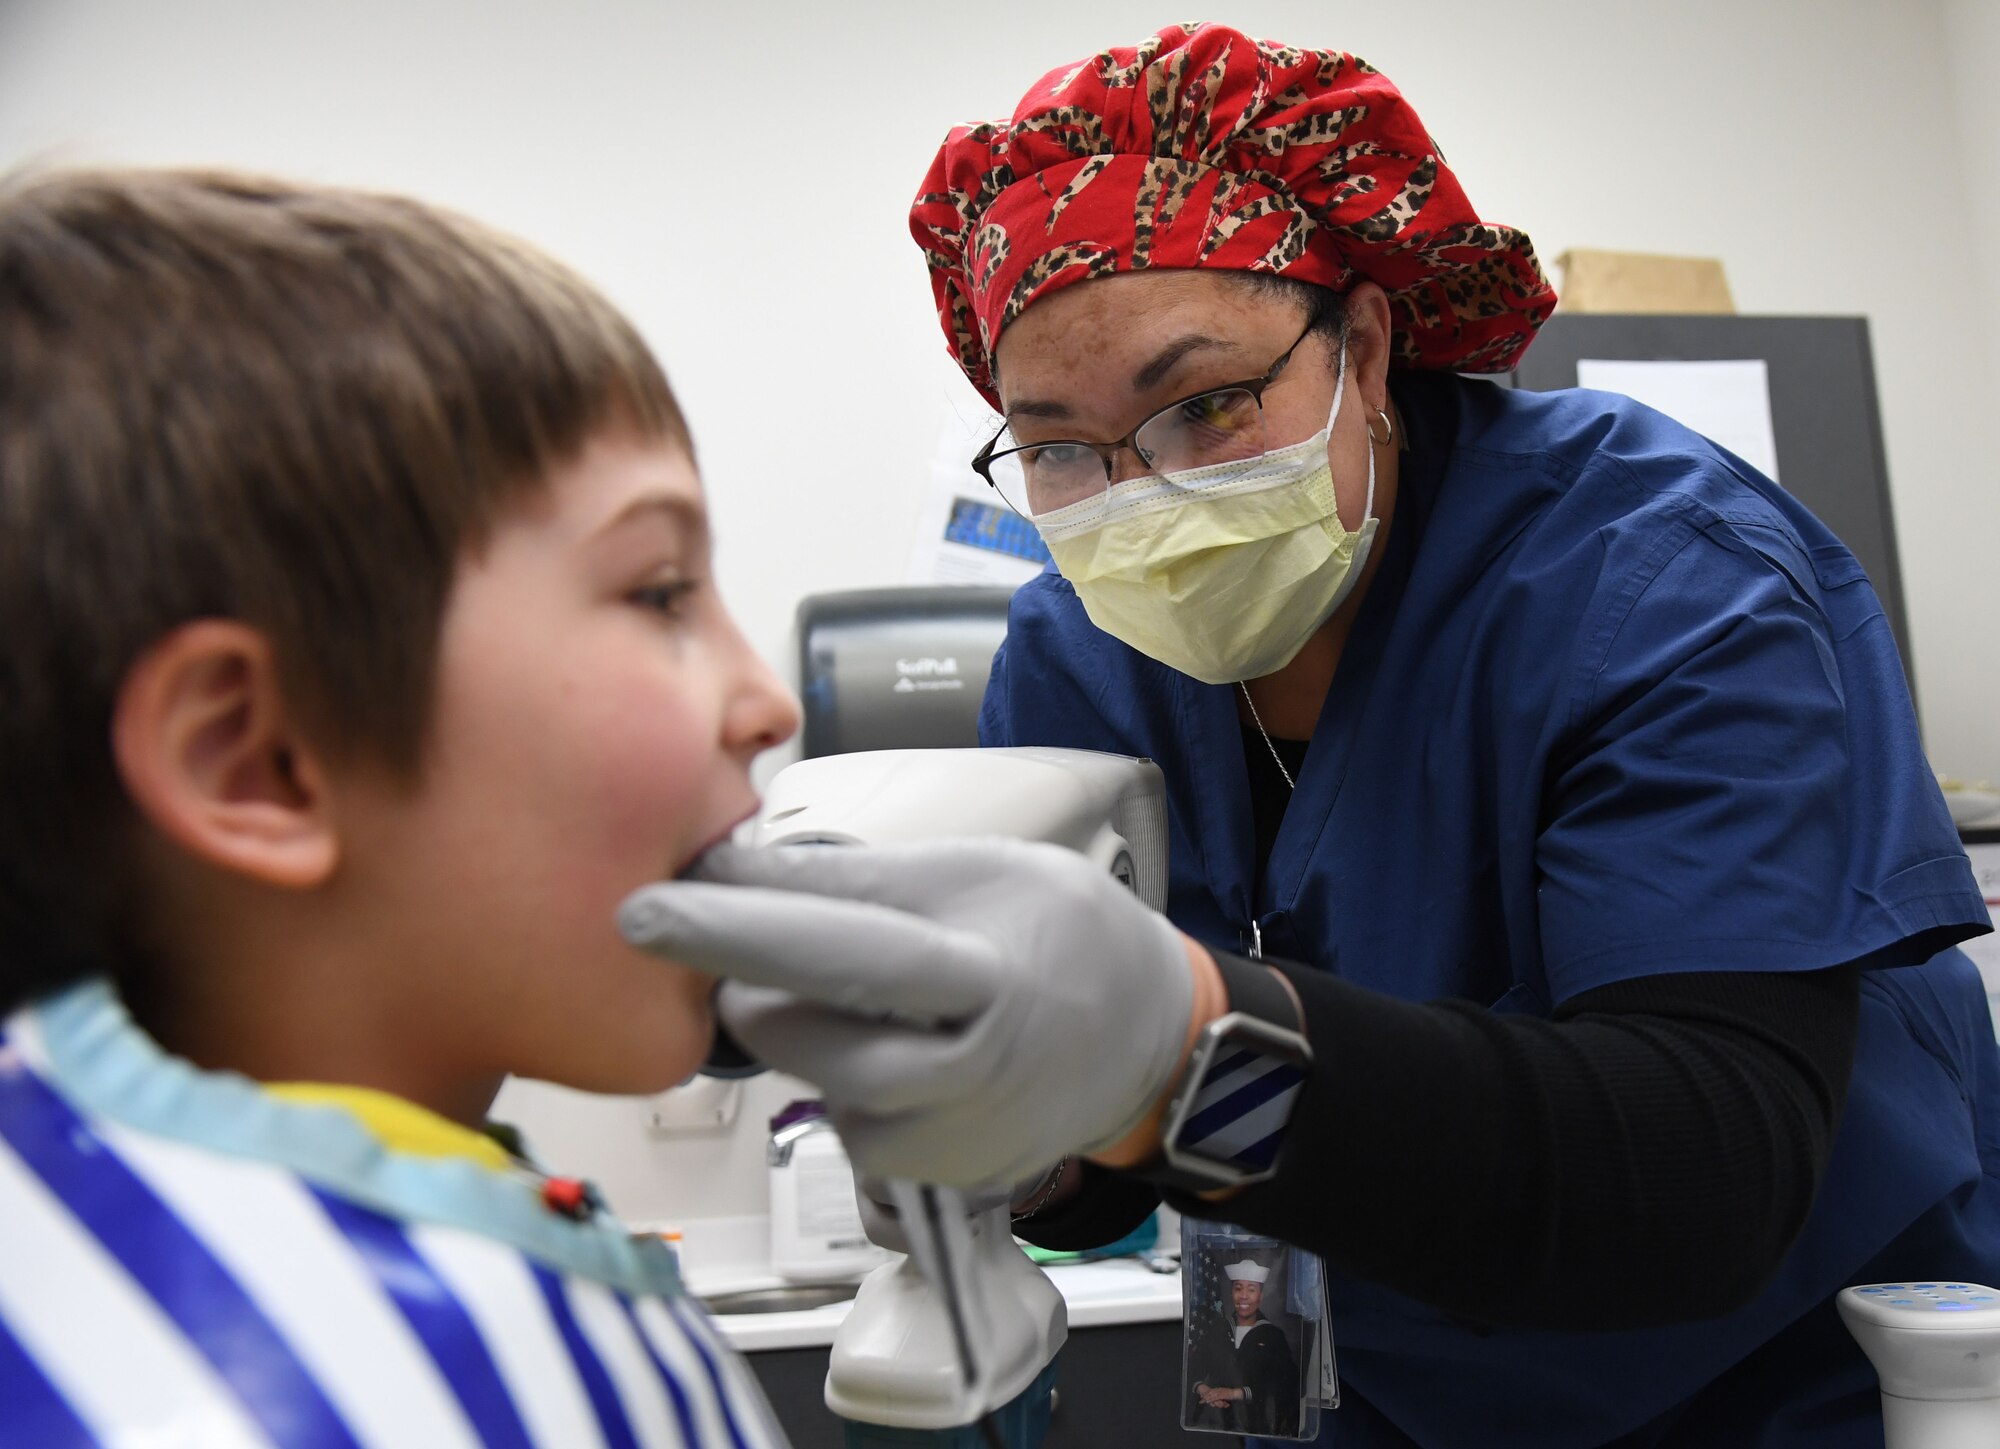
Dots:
pixel 1109 1291
pixel 727 1255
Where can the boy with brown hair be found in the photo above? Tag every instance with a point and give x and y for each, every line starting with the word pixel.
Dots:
pixel 359 653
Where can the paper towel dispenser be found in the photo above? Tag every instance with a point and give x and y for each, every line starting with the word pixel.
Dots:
pixel 896 669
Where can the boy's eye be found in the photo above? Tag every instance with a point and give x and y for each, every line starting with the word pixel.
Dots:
pixel 669 598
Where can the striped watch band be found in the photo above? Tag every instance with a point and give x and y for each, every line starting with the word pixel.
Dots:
pixel 1229 1117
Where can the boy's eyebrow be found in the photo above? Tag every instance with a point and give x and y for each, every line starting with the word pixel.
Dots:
pixel 688 513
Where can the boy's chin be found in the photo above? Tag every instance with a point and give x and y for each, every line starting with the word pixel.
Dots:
pixel 628 1057
pixel 648 1077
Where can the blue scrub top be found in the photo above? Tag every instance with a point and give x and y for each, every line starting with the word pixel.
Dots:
pixel 1613 705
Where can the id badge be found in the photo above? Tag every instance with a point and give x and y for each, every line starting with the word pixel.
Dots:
pixel 1256 1356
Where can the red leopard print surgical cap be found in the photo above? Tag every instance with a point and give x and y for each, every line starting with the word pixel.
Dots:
pixel 1202 147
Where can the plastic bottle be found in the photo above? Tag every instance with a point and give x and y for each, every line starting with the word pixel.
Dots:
pixel 816 1232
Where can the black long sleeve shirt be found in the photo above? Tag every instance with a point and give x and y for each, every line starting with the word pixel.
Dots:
pixel 1663 1137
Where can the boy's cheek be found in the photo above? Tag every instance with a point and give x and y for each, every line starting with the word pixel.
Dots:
pixel 647 762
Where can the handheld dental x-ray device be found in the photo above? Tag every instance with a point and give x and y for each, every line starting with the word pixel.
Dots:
pixel 960 1336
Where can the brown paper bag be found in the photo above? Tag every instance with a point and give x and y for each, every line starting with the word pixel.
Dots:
pixel 1599 281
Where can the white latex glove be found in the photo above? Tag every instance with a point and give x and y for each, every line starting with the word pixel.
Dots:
pixel 970 1009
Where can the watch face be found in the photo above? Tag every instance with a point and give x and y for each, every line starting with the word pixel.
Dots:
pixel 1244 1081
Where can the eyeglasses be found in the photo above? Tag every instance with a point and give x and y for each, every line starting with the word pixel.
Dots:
pixel 1218 426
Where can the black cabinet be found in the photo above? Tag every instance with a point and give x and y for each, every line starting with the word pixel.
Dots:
pixel 1117 1387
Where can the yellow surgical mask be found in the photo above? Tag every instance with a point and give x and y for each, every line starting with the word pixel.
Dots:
pixel 1222 572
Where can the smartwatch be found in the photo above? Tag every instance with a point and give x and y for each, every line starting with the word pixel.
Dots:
pixel 1230 1113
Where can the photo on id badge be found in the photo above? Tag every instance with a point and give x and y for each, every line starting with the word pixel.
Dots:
pixel 1245 1345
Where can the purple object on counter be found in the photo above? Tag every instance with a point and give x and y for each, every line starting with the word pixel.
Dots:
pixel 801 1111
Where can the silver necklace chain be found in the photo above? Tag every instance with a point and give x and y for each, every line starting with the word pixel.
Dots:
pixel 1289 785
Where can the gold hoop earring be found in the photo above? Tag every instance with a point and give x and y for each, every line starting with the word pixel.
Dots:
pixel 1388 430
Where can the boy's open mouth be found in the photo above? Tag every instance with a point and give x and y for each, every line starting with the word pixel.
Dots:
pixel 721 837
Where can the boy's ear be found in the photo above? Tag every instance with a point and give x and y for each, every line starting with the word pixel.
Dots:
pixel 212 758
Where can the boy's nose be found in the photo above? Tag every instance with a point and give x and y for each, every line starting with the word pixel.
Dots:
pixel 763 713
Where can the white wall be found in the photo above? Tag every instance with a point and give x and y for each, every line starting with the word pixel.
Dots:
pixel 1972 43
pixel 737 176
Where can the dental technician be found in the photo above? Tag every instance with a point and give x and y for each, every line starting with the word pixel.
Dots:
pixel 1548 813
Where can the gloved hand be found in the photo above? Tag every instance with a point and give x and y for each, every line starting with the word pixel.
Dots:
pixel 971 1009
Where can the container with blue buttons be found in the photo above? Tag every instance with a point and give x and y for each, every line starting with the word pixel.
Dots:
pixel 1936 1351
